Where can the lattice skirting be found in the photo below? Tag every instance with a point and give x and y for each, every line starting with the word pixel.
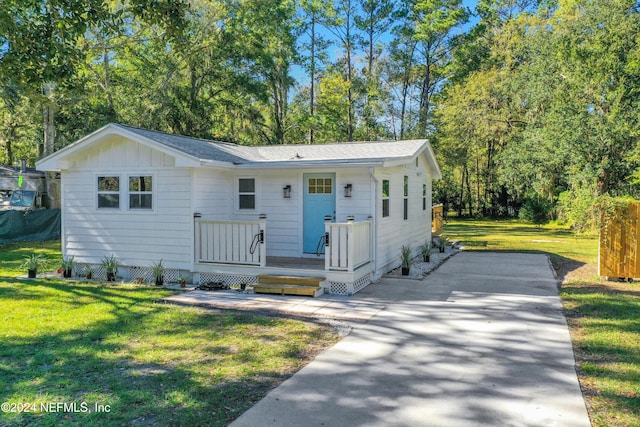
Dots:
pixel 232 280
pixel 146 274
pixel 349 288
pixel 362 282
pixel 131 273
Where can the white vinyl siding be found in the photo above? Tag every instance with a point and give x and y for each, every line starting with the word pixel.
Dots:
pixel 136 237
pixel 394 231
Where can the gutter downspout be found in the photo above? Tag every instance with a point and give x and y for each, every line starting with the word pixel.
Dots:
pixel 376 275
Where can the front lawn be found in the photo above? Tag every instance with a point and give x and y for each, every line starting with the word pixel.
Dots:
pixel 602 315
pixel 95 354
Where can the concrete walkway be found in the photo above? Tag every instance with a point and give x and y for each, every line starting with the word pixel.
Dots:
pixel 480 342
pixel 325 306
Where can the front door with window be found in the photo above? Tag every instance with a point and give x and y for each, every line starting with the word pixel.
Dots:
pixel 319 200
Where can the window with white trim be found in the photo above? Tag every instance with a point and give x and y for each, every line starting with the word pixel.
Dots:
pixel 246 193
pixel 108 192
pixel 424 197
pixel 141 192
pixel 406 197
pixel 385 198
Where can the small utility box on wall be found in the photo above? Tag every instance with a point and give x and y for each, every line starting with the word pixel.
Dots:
pixel 619 248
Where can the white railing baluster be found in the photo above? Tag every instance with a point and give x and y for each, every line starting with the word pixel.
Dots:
pixel 230 242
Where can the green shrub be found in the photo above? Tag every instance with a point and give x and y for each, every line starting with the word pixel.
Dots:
pixel 576 209
pixel 535 210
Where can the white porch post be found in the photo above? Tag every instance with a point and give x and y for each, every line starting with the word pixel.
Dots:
pixel 351 243
pixel 263 239
pixel 327 242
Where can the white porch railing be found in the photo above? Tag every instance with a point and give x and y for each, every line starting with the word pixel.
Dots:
pixel 230 242
pixel 348 245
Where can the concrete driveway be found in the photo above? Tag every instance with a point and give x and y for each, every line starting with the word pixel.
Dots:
pixel 480 342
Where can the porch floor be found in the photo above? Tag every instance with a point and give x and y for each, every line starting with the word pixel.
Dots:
pixel 315 263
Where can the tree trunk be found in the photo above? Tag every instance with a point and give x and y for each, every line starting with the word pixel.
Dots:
pixel 111 112
pixel 406 82
pixel 461 199
pixel 52 199
pixel 469 193
pixel 350 115
pixel 312 78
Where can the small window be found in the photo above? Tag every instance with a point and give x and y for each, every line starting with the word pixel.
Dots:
pixel 247 193
pixel 424 197
pixel 406 197
pixel 385 198
pixel 108 192
pixel 320 185
pixel 140 192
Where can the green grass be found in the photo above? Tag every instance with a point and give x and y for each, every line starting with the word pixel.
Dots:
pixel 151 363
pixel 12 256
pixel 602 315
pixel 512 235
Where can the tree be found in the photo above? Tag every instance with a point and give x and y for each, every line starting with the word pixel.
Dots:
pixel 375 20
pixel 314 13
pixel 343 28
pixel 435 21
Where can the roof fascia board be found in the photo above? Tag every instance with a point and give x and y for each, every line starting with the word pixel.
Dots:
pixel 294 164
pixel 436 173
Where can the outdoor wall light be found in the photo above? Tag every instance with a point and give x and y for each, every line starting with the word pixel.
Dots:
pixel 347 190
pixel 286 192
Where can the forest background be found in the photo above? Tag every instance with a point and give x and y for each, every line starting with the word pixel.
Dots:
pixel 527 103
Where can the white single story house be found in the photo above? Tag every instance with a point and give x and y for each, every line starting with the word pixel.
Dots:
pixel 215 211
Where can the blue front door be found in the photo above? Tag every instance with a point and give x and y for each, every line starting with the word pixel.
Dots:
pixel 319 200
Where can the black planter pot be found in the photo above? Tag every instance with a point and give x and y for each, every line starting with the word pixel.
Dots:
pixel 159 281
pixel 426 258
pixel 405 271
pixel 243 286
pixel 111 277
pixel 66 273
pixel 32 274
pixel 441 250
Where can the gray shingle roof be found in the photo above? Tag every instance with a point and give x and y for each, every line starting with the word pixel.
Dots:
pixel 357 152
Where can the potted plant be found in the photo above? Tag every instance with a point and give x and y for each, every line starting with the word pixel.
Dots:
pixel 34 263
pixel 405 256
pixel 67 267
pixel 89 273
pixel 183 282
pixel 243 286
pixel 425 250
pixel 441 243
pixel 158 273
pixel 110 267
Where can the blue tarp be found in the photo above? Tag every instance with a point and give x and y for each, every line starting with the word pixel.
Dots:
pixel 34 225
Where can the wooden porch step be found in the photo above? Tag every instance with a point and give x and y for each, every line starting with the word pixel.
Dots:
pixel 290 280
pixel 287 289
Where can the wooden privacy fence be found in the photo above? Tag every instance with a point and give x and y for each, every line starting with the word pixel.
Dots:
pixel 619 252
pixel 437 220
